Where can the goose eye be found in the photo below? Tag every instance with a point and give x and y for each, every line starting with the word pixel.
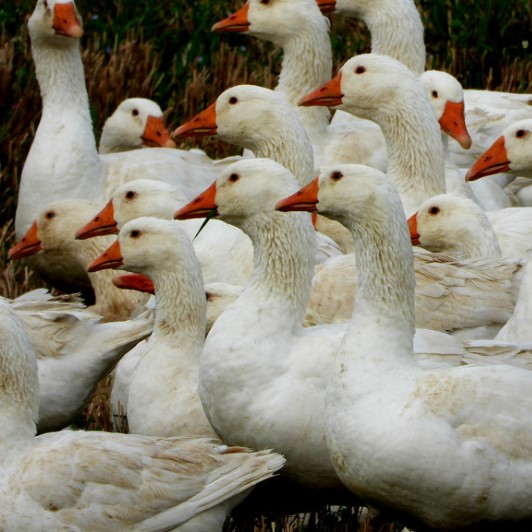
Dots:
pixel 49 215
pixel 45 4
pixel 233 178
pixel 360 70
pixel 233 100
pixel 135 112
pixel 265 2
pixel 135 233
pixel 434 94
pixel 434 210
pixel 521 134
pixel 336 176
pixel 130 194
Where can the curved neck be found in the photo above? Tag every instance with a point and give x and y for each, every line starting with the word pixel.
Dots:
pixel 396 30
pixel 415 152
pixel 180 314
pixel 284 247
pixel 383 319
pixel 307 65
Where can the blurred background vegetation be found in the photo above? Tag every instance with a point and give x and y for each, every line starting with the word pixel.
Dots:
pixel 165 51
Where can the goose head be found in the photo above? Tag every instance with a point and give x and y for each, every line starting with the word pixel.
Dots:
pixel 53 230
pixel 246 189
pixel 453 225
pixel 511 152
pixel 276 21
pixel 56 21
pixel 347 193
pixel 136 123
pixel 365 85
pixel 141 197
pixel 244 115
pixel 447 99
pixel 147 246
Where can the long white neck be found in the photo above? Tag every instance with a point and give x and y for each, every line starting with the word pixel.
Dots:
pixel 307 65
pixel 383 319
pixel 180 315
pixel 288 144
pixel 396 30
pixel 63 161
pixel 415 152
pixel 19 385
pixel 284 247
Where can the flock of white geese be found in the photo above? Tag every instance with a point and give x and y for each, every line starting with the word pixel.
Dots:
pixel 381 345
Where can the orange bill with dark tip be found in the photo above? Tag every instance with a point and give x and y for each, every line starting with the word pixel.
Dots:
pixel 110 258
pixel 412 227
pixel 28 245
pixel 237 22
pixel 453 123
pixel 66 21
pixel 327 6
pixel 203 124
pixel 494 160
pixel 135 281
pixel 103 223
pixel 305 199
pixel 330 95
pixel 155 133
pixel 200 207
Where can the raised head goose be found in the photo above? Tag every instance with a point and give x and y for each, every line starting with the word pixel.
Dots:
pixel 443 449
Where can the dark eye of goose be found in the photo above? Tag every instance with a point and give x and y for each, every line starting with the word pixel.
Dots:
pixel 521 134
pixel 135 112
pixel 45 4
pixel 233 100
pixel 434 94
pixel 49 215
pixel 360 70
pixel 130 194
pixel 434 210
pixel 135 233
pixel 336 176
pixel 265 2
pixel 233 178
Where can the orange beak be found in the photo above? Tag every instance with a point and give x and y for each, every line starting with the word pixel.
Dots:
pixel 305 199
pixel 156 134
pixel 237 22
pixel 494 160
pixel 199 207
pixel 412 226
pixel 29 244
pixel 110 258
pixel 66 21
pixel 201 125
pixel 453 123
pixel 330 95
pixel 102 224
pixel 135 281
pixel 327 6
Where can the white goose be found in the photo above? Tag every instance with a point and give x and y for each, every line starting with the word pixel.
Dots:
pixel 52 235
pixel 444 449
pixel 100 481
pixel 149 197
pixel 136 123
pixel 307 64
pixel 74 349
pixel 63 161
pixel 384 90
pixel 163 395
pixel 396 30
